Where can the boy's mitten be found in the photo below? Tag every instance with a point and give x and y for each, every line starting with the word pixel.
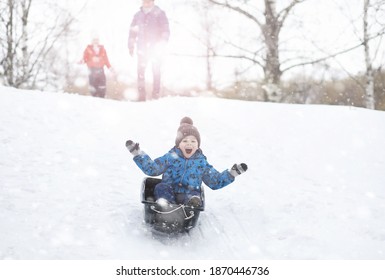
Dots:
pixel 238 169
pixel 133 147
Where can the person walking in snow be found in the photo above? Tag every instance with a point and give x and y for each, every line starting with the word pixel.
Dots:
pixel 150 31
pixel 95 56
pixel 183 169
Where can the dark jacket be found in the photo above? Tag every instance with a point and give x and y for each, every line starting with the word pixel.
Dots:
pixel 184 175
pixel 148 29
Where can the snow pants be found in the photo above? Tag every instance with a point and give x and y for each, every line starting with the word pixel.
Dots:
pixel 97 80
pixel 167 192
pixel 143 60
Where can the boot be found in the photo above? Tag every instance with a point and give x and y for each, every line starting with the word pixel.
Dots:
pixel 194 202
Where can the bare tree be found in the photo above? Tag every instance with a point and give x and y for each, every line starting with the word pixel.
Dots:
pixel 372 10
pixel 28 43
pixel 370 36
pixel 369 88
pixel 270 26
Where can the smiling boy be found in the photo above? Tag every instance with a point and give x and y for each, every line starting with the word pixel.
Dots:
pixel 183 168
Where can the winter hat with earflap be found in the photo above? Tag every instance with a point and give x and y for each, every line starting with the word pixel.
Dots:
pixel 186 128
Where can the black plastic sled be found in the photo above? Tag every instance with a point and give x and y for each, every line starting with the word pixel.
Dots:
pixel 170 219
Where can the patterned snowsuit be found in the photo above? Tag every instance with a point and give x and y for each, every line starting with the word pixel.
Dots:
pixel 182 177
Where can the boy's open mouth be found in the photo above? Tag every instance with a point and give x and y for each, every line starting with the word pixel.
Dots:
pixel 188 151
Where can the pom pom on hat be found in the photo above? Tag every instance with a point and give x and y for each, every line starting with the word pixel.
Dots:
pixel 186 120
pixel 185 129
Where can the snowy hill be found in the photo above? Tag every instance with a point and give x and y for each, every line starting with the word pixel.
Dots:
pixel 70 190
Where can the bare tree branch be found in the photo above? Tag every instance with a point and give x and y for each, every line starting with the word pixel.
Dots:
pixel 333 55
pixel 237 9
pixel 282 15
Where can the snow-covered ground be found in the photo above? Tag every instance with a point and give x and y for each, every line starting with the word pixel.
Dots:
pixel 315 188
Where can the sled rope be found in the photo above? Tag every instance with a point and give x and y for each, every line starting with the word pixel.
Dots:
pixel 176 209
pixel 185 214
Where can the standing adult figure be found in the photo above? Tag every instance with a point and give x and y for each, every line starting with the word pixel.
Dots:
pixel 149 31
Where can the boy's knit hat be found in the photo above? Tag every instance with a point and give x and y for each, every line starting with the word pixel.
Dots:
pixel 186 128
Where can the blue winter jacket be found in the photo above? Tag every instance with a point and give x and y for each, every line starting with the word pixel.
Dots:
pixel 184 175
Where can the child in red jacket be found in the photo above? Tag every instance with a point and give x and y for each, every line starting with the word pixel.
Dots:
pixel 95 56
